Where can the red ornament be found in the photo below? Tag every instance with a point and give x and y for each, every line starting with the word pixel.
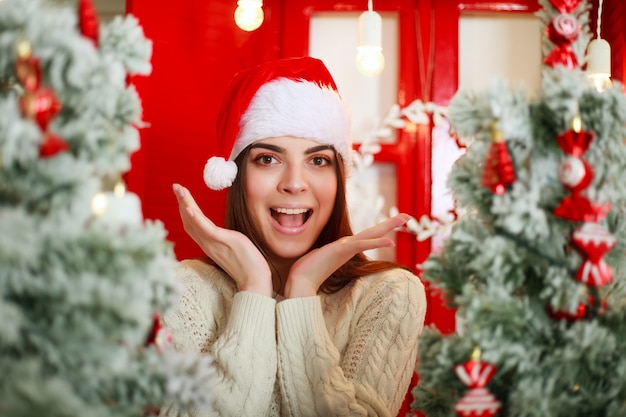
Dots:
pixel 562 55
pixel 595 242
pixel 88 20
pixel 478 401
pixel 499 170
pixel 575 141
pixel 52 145
pixel 565 6
pixel 579 314
pixel 584 310
pixel 159 335
pixel 575 173
pixel 41 105
pixel 578 208
pixel 563 29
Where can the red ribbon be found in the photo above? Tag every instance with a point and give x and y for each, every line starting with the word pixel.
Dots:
pixel 562 55
pixel 578 208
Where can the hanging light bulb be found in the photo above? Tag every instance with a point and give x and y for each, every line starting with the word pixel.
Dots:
pixel 369 56
pixel 599 59
pixel 249 14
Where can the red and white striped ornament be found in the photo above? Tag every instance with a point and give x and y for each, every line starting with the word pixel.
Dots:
pixel 594 241
pixel 478 401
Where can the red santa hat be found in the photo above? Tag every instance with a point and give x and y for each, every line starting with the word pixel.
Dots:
pixel 288 97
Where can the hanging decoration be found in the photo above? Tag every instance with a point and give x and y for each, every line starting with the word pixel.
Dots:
pixel 563 30
pixel 37 102
pixel 594 241
pixel 591 239
pixel 499 171
pixel 599 58
pixel 478 401
pixel 576 174
pixel 360 186
pixel 370 60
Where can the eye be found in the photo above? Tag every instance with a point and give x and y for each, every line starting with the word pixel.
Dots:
pixel 265 159
pixel 321 160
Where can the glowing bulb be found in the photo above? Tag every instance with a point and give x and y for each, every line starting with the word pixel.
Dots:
pixel 249 14
pixel 601 83
pixel 369 57
pixel 99 204
pixel 599 64
pixel 370 60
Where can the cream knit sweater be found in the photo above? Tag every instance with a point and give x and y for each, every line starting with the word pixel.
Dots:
pixel 351 353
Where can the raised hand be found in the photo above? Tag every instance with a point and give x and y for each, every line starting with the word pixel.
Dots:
pixel 309 272
pixel 231 250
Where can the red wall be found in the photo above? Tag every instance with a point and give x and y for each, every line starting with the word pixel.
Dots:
pixel 196 50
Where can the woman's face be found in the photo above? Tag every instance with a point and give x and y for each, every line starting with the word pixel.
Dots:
pixel 290 191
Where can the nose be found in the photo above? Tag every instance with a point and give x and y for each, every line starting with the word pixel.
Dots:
pixel 293 180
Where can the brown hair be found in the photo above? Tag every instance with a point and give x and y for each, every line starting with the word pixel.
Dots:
pixel 338 226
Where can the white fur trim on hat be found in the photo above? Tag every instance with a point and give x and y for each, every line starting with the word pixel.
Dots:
pixel 219 173
pixel 298 108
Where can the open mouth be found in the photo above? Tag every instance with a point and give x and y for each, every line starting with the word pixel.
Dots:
pixel 291 217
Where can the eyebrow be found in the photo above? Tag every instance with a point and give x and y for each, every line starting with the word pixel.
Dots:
pixel 279 149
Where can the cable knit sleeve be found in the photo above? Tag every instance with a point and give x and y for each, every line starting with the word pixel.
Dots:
pixel 236 328
pixel 353 354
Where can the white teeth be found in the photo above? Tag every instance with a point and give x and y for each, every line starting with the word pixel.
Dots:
pixel 291 211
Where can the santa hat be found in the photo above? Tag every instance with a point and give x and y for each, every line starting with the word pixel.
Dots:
pixel 288 97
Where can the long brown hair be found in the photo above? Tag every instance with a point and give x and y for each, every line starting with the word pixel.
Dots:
pixel 338 226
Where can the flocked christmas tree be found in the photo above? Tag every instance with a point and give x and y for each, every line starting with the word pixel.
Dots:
pixel 535 263
pixel 83 278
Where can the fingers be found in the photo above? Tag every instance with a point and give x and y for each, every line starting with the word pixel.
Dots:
pixel 196 224
pixel 384 227
pixel 369 244
pixel 184 197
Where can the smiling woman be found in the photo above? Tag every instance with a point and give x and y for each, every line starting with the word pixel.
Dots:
pixel 298 320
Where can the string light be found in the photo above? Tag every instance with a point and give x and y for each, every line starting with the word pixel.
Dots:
pixel 369 57
pixel 599 58
pixel 249 14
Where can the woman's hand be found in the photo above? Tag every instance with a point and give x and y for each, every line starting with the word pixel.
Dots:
pixel 231 250
pixel 310 271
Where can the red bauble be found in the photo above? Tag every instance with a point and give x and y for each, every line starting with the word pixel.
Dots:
pixel 89 23
pixel 41 105
pixel 52 145
pixel 499 170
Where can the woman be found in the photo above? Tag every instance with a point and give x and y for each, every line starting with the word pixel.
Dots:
pixel 298 320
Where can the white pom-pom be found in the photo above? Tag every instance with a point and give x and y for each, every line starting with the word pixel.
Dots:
pixel 219 173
